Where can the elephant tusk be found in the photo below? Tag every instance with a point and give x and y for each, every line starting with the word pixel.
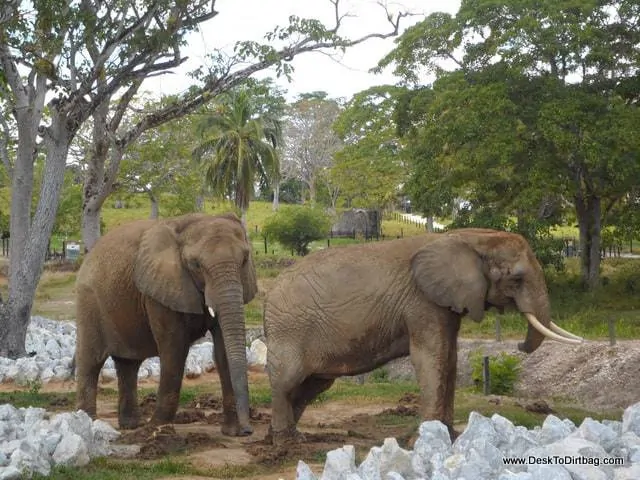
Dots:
pixel 548 333
pixel 561 331
pixel 211 312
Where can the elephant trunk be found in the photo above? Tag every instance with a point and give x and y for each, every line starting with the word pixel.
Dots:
pixel 229 308
pixel 532 341
pixel 537 310
pixel 540 308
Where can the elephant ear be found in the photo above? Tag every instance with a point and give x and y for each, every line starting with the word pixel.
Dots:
pixel 159 273
pixel 449 272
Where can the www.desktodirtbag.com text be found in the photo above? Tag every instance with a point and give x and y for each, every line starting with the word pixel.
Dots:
pixel 563 460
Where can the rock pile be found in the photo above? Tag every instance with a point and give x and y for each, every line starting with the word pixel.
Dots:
pixel 53 344
pixel 493 448
pixel 32 441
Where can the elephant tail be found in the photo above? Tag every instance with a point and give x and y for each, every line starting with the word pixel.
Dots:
pixel 73 366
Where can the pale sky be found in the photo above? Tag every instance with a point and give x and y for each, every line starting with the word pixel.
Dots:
pixel 341 76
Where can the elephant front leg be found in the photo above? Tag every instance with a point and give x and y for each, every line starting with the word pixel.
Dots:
pixel 128 411
pixel 231 425
pixel 173 348
pixel 434 353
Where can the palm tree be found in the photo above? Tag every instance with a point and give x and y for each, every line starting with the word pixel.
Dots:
pixel 239 148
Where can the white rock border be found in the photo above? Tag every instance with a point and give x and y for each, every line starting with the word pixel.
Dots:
pixel 54 343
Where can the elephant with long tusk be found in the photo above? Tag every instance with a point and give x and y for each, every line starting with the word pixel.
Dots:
pixel 348 310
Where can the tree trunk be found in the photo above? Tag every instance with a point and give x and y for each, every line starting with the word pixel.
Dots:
pixel 28 245
pixel 243 218
pixel 199 203
pixel 430 224
pixel 98 185
pixel 588 211
pixel 276 197
pixel 155 208
pixel 312 193
pixel 90 224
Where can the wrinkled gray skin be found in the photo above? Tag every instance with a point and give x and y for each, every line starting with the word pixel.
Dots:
pixel 346 311
pixel 144 290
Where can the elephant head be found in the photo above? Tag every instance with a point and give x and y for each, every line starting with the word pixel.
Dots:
pixel 471 270
pixel 196 263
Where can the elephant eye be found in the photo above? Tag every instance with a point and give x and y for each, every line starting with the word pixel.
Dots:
pixel 194 263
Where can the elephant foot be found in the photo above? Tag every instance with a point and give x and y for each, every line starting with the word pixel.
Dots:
pixel 158 420
pixel 284 437
pixel 234 429
pixel 130 423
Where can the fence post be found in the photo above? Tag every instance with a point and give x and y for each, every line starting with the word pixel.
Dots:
pixel 612 332
pixel 64 249
pixel 265 246
pixel 486 381
pixel 401 233
pixel 328 242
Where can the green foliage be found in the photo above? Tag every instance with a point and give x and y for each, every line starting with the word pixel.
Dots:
pixel 69 216
pixel 368 170
pixel 506 129
pixel 379 375
pixel 503 372
pixel 548 249
pixel 238 147
pixel 295 227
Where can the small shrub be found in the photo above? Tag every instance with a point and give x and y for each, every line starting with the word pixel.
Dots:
pixel 503 372
pixel 379 375
pixel 295 227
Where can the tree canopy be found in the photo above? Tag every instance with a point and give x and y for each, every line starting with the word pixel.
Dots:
pixel 531 110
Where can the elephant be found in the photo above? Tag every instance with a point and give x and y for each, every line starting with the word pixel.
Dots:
pixel 348 310
pixel 152 287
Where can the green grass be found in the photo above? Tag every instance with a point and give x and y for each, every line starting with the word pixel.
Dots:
pixel 112 469
pixel 381 391
pixel 30 396
pixel 467 401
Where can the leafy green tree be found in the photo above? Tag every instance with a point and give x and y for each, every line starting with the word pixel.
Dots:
pixel 369 169
pixel 63 63
pixel 239 148
pixel 537 110
pixel 69 215
pixel 295 227
pixel 160 161
pixel 162 37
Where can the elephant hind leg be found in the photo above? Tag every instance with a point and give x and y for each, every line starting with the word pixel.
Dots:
pixel 88 368
pixel 285 376
pixel 307 392
pixel 128 412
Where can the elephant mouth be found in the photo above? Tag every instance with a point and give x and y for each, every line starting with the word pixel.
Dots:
pixel 554 332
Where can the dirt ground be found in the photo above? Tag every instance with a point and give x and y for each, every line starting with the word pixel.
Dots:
pixel 594 375
pixel 196 433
